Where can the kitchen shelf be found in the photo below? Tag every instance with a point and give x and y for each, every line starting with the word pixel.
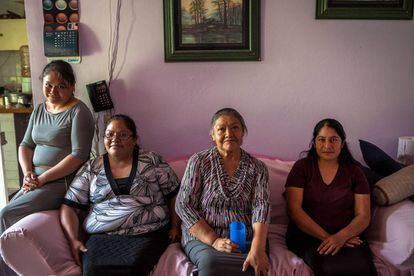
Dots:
pixel 16 110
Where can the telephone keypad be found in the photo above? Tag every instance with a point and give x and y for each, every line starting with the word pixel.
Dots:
pixel 99 95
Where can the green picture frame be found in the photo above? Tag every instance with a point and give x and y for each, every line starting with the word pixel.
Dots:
pixel 205 34
pixel 364 9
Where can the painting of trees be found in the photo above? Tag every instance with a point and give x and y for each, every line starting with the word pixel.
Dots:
pixel 198 11
pixel 212 21
pixel 212 30
pixel 229 11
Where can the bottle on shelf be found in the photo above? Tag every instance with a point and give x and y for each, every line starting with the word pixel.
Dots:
pixel 25 60
pixel 25 65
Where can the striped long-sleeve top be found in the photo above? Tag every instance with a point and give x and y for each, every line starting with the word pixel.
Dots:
pixel 208 192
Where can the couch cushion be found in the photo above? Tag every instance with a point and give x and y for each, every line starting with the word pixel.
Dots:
pixel 179 165
pixel 173 262
pixel 378 160
pixel 391 234
pixel 36 245
pixel 278 172
pixel 396 187
pixel 283 261
pixel 372 176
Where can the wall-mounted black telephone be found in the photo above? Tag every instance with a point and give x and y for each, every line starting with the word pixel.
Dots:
pixel 99 95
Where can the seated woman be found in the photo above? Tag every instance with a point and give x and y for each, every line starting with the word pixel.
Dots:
pixel 329 206
pixel 221 185
pixel 129 195
pixel 57 142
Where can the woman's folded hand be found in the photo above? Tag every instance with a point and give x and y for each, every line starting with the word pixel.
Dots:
pixel 353 241
pixel 30 181
pixel 225 245
pixel 331 245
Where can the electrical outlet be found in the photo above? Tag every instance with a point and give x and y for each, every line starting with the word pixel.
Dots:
pixel 106 118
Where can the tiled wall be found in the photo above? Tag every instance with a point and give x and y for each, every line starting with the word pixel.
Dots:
pixel 10 70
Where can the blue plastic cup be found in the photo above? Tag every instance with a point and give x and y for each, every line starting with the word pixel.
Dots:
pixel 238 235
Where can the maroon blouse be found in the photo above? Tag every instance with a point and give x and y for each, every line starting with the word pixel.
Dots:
pixel 330 206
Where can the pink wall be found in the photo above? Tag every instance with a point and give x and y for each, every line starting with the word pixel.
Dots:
pixel 358 71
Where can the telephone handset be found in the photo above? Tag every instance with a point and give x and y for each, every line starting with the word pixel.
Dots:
pixel 99 95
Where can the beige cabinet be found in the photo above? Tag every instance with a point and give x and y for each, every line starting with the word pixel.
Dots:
pixel 13 34
pixel 11 167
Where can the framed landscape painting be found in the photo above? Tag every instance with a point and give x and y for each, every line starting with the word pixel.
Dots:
pixel 211 30
pixel 364 9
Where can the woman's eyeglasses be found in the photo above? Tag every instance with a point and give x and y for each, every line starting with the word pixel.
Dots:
pixel 123 135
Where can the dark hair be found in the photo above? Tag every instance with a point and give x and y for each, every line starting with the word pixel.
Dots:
pixel 229 111
pixel 63 69
pixel 129 123
pixel 345 156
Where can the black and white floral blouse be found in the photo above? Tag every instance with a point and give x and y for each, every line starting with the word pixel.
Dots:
pixel 129 206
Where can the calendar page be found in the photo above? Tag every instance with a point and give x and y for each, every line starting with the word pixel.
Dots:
pixel 61 28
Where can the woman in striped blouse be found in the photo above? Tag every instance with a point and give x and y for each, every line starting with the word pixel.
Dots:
pixel 221 185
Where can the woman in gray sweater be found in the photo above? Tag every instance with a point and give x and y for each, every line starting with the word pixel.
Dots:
pixel 57 142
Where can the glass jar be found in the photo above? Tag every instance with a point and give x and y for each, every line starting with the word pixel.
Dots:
pixel 2 103
pixel 25 60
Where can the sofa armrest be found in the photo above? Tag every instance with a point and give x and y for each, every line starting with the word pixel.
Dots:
pixel 36 245
pixel 391 235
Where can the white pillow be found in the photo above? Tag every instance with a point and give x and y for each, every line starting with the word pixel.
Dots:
pixel 391 235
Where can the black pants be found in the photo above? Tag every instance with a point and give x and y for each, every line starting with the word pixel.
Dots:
pixel 123 255
pixel 350 261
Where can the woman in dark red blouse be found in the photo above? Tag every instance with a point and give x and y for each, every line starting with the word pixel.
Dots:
pixel 329 206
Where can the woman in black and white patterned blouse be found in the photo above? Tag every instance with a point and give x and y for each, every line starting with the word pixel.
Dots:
pixel 221 185
pixel 129 196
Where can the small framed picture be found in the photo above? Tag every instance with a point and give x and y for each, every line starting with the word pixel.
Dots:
pixel 364 9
